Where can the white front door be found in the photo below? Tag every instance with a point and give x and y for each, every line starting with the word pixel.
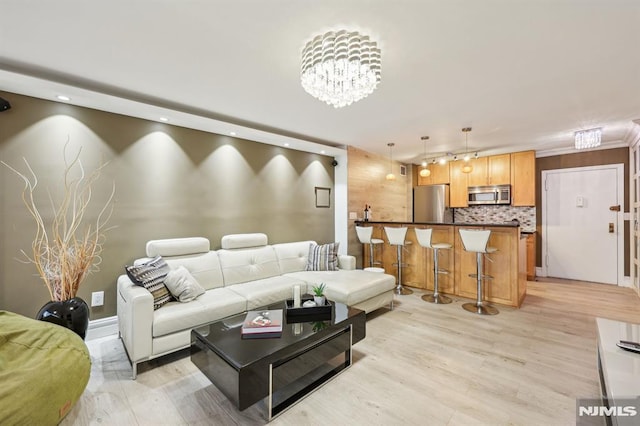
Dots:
pixel 582 237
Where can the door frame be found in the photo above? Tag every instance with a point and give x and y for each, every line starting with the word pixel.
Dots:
pixel 620 216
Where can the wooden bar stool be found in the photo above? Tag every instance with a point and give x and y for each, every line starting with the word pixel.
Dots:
pixel 365 234
pixel 396 237
pixel 424 239
pixel 475 241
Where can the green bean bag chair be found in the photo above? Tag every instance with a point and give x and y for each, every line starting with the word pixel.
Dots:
pixel 44 369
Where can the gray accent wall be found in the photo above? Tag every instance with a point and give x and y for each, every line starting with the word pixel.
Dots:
pixel 170 182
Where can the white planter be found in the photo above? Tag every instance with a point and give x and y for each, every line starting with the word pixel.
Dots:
pixel 319 300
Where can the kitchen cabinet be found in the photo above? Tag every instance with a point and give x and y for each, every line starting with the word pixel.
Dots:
pixel 493 170
pixel 531 257
pixel 439 174
pixel 523 178
pixel 458 184
pixel 478 176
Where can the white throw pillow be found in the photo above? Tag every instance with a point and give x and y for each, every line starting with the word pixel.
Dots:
pixel 182 285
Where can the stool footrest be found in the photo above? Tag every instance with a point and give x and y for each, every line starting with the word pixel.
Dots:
pixel 484 277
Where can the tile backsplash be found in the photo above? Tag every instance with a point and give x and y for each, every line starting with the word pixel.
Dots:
pixel 498 214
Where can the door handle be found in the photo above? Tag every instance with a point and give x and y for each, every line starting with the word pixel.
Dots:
pixel 615 208
pixel 611 229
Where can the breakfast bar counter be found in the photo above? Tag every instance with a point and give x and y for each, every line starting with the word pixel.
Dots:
pixel 507 265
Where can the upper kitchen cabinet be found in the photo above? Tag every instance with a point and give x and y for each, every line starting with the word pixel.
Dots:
pixel 493 170
pixel 458 189
pixel 439 174
pixel 478 176
pixel 523 178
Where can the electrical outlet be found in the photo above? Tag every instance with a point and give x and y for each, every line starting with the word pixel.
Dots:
pixel 97 298
pixel 353 215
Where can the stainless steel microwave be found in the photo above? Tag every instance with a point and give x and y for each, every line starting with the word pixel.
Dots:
pixel 496 194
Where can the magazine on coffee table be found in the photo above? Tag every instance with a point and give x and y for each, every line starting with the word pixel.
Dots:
pixel 262 322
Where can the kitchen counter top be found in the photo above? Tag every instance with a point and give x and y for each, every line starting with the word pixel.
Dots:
pixel 503 224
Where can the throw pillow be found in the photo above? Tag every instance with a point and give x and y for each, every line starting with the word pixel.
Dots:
pixel 151 275
pixel 323 257
pixel 182 285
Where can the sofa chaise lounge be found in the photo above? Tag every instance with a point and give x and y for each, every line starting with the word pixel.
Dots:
pixel 244 274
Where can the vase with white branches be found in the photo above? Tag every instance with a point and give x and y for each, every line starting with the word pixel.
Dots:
pixel 67 248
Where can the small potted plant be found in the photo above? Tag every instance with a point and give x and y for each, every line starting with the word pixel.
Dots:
pixel 319 326
pixel 318 294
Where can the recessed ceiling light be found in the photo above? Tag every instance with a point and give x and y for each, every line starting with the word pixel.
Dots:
pixel 322 152
pixel 286 144
pixel 232 133
pixel 63 98
pixel 165 119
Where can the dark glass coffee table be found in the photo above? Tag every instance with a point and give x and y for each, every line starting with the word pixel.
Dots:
pixel 281 369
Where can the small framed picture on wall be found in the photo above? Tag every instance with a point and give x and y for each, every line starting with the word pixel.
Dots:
pixel 323 197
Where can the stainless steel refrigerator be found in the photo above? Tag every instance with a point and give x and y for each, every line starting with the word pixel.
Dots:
pixel 431 204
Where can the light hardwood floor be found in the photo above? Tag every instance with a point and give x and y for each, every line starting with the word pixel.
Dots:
pixel 420 364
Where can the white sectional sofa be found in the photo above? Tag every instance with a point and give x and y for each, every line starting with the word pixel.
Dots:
pixel 245 274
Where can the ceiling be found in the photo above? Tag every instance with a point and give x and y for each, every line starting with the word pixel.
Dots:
pixel 522 74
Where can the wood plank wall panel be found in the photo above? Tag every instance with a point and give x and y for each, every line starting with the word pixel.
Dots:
pixel 389 200
pixel 582 159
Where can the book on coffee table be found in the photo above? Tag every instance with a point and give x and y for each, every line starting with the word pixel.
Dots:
pixel 271 335
pixel 263 322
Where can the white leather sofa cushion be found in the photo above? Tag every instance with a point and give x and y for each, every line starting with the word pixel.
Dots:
pixel 348 287
pixel 268 290
pixel 292 257
pixel 205 268
pixel 236 241
pixel 347 262
pixel 243 265
pixel 192 253
pixel 177 246
pixel 211 306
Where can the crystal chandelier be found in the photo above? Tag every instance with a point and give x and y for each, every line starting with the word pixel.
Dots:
pixel 588 138
pixel 340 68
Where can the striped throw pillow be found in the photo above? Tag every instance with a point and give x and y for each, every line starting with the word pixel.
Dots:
pixel 151 275
pixel 323 257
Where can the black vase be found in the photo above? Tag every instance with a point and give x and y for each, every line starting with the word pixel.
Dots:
pixel 72 314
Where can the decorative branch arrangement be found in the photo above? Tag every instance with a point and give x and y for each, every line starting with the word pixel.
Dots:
pixel 65 251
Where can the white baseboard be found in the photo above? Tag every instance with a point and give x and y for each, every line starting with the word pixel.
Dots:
pixel 102 327
pixel 626 282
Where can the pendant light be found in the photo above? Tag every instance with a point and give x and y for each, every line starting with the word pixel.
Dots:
pixel 466 166
pixel 390 176
pixel 425 172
